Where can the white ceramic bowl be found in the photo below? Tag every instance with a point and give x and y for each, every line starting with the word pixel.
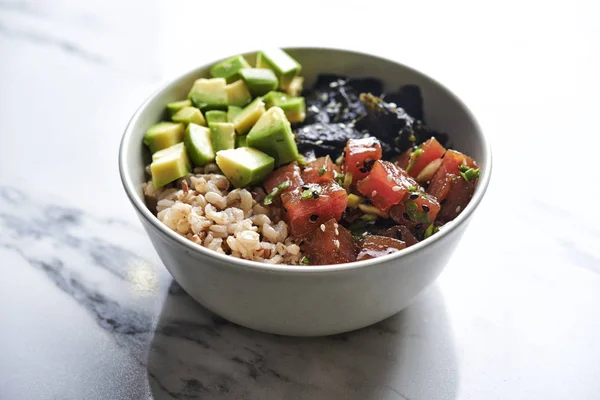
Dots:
pixel 309 300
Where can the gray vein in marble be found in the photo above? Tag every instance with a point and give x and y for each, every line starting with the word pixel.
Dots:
pixel 46 40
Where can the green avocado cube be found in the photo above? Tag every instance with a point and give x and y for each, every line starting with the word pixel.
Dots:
pixel 222 135
pixel 295 87
pixel 245 166
pixel 169 164
pixel 229 68
pixel 216 116
pixel 198 144
pixel 189 115
pixel 178 105
pixel 209 94
pixel 163 135
pixel 272 134
pixel 259 80
pixel 238 94
pixel 293 107
pixel 284 66
pixel 250 114
pixel 232 112
pixel 240 141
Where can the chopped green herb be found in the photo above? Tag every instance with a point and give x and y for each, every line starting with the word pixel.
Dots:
pixel 412 188
pixel 304 260
pixel 276 192
pixel 312 191
pixel 469 174
pixel 339 178
pixel 415 214
pixel 413 157
pixel 321 171
pixel 428 231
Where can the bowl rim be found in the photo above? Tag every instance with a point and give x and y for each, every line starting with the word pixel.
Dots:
pixel 143 210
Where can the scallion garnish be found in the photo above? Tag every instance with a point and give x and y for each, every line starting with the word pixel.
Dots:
pixel 304 260
pixel 277 190
pixel 311 191
pixel 413 157
pixel 321 171
pixel 469 174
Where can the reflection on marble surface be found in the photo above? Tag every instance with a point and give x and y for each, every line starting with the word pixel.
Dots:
pixel 88 311
pixel 195 353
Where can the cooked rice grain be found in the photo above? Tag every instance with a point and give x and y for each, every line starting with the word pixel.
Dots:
pixel 232 222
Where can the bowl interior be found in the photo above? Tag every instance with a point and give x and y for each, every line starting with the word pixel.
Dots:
pixel 443 110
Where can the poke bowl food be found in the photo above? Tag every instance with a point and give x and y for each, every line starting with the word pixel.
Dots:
pixel 257 165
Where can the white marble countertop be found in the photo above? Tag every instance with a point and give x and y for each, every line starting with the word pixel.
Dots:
pixel 87 311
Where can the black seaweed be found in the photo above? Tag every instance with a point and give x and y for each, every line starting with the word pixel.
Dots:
pixel 317 140
pixel 394 126
pixel 339 108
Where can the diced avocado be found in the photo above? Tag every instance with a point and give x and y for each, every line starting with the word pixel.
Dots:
pixel 189 115
pixel 209 94
pixel 229 68
pixel 178 105
pixel 238 94
pixel 259 80
pixel 163 135
pixel 284 66
pixel 222 135
pixel 245 166
pixel 169 164
pixel 216 116
pixel 240 141
pixel 274 98
pixel 272 134
pixel 198 144
pixel 293 107
pixel 232 112
pixel 250 114
pixel 295 87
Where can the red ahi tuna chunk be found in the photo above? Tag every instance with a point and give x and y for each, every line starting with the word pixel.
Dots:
pixel 417 211
pixel 376 246
pixel 422 156
pixel 331 243
pixel 455 193
pixel 308 206
pixel 320 170
pixel 289 172
pixel 359 156
pixel 452 191
pixel 402 233
pixel 386 185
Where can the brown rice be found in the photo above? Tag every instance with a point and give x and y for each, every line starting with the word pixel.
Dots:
pixel 203 209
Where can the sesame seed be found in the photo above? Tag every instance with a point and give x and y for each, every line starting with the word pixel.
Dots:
pixel 396 188
pixel 418 226
pixel 319 142
pixel 336 231
pixel 405 216
pixel 425 208
pixel 323 227
pixel 374 193
pixel 336 243
pixel 314 217
pixel 399 234
pixel 335 225
pixel 333 84
pixel 389 177
pixel 457 209
pixel 308 169
pixel 414 196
